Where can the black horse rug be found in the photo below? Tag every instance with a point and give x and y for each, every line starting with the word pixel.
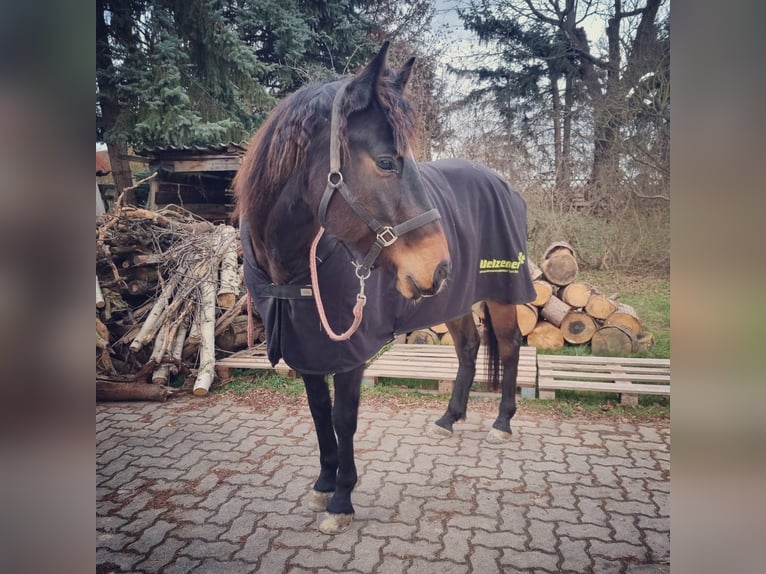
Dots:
pixel 484 220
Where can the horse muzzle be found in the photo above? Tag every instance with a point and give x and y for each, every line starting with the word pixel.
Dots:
pixel 423 267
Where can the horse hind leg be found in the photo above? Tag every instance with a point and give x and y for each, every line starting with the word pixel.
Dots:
pixel 466 341
pixel 503 327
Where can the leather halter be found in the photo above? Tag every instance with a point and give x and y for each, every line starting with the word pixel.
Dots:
pixel 385 235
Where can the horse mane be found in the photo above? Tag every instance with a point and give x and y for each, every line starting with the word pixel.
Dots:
pixel 280 146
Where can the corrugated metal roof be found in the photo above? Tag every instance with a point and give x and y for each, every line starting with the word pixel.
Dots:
pixel 230 147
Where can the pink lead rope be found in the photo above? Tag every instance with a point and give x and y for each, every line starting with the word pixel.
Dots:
pixel 361 299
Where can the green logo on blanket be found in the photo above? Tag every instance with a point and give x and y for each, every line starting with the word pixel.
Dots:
pixel 502 265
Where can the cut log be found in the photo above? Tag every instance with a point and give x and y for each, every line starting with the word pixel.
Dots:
pixel 560 267
pixel 613 340
pixel 534 270
pixel 131 392
pixel 423 337
pixel 626 316
pixel 234 337
pixel 150 326
pixel 558 247
pixel 578 327
pixel 526 315
pixel 99 296
pixel 555 310
pixel 543 292
pixel 138 287
pixel 599 307
pixel 577 294
pixel 229 282
pixel 102 330
pixel 545 336
pixel 206 372
pixel 644 340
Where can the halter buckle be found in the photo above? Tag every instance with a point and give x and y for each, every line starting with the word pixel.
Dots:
pixel 387 236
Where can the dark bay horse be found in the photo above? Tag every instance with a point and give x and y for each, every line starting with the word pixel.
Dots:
pixel 341 226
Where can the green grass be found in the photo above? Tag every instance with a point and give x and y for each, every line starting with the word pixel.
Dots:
pixel 567 404
pixel 241 383
pixel 570 404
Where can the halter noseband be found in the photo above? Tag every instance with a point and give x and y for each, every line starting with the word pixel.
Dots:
pixel 385 235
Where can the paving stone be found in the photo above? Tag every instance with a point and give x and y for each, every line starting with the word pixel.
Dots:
pixel 420 566
pixel 529 559
pixel 219 550
pixel 455 545
pixel 161 555
pixel 151 537
pixel 406 549
pixel 191 486
pixel 325 559
pixel 574 555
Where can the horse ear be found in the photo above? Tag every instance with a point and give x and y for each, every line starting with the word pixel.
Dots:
pixel 361 89
pixel 403 75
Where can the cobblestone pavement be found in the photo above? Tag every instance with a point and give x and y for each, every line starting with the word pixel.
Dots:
pixel 212 485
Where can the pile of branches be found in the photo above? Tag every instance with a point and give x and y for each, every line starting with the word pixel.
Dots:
pixel 167 283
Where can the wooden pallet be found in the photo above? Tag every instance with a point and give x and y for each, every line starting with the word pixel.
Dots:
pixel 253 358
pixel 629 377
pixel 439 362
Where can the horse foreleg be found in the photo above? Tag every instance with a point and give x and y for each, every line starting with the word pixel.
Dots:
pixel 509 345
pixel 466 341
pixel 344 419
pixel 318 394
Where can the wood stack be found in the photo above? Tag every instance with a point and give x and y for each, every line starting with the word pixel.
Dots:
pixel 564 311
pixel 168 299
pixel 569 311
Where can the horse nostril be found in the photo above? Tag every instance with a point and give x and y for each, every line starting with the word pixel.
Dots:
pixel 441 274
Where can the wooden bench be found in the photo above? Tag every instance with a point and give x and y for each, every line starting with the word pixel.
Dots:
pixel 253 358
pixel 629 377
pixel 439 362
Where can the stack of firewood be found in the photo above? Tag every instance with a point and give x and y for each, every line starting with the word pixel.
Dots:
pixel 168 291
pixel 575 312
pixel 564 311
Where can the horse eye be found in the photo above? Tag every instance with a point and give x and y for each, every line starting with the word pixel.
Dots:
pixel 385 164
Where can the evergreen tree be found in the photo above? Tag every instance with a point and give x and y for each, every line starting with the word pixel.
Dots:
pixel 181 72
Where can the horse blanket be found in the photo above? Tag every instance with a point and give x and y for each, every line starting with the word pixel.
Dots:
pixel 484 220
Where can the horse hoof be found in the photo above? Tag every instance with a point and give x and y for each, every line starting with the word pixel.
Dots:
pixel 495 436
pixel 335 523
pixel 435 431
pixel 318 500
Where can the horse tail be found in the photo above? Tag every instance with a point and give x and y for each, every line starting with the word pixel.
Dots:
pixel 493 350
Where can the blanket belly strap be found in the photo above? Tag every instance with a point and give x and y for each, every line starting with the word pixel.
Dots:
pixel 284 291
